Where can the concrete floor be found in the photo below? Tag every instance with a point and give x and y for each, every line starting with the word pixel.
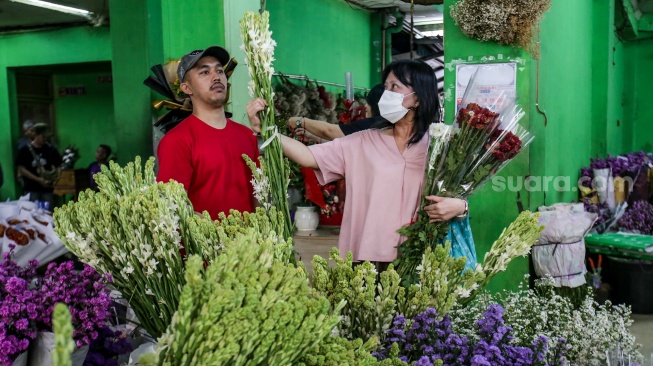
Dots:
pixel 321 241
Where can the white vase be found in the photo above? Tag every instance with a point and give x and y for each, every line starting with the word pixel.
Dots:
pixel 306 218
pixel 21 360
pixel 41 353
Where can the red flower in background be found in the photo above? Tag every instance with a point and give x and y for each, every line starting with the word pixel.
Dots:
pixel 351 111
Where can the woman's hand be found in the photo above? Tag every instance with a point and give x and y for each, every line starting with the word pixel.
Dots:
pixel 444 208
pixel 253 107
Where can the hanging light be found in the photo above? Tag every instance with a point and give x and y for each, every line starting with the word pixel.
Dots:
pixel 52 6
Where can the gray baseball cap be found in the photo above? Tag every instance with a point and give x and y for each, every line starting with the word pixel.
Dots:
pixel 188 61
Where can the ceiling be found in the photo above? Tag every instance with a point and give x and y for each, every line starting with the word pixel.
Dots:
pixel 17 17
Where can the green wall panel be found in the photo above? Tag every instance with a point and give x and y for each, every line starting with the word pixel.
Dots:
pixel 133 53
pixel 238 94
pixel 191 25
pixel 85 121
pixel 639 93
pixel 323 39
pixel 565 94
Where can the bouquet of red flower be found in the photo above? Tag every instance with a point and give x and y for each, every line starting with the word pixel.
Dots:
pixel 350 111
pixel 461 159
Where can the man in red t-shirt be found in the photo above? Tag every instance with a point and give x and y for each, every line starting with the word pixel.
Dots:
pixel 204 151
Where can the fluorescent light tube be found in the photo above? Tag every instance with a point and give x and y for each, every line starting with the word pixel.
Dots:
pixel 57 7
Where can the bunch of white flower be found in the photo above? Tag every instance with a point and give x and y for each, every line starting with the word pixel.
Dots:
pixel 258 46
pixel 589 331
pixel 133 229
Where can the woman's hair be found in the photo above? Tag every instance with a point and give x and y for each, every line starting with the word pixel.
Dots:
pixel 373 98
pixel 421 77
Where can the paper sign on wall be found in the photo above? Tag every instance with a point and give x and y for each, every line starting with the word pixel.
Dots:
pixel 500 82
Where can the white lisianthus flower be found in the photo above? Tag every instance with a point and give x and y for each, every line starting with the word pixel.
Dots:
pixel 437 130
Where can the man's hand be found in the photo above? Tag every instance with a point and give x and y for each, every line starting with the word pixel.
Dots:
pixel 253 107
pixel 292 122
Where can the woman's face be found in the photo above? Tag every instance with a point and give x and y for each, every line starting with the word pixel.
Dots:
pixel 394 85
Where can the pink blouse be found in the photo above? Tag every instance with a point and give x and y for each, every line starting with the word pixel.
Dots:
pixel 383 189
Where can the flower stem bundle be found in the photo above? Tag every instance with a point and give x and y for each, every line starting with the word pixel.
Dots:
pixel 134 228
pixel 247 308
pixel 258 46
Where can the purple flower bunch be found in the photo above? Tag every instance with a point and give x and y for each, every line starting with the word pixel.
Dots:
pixel 426 340
pixel 638 218
pixel 622 165
pixel 105 350
pixel 84 292
pixel 601 209
pixel 17 308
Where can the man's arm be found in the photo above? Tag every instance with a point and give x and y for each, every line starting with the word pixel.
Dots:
pixel 31 176
pixel 322 129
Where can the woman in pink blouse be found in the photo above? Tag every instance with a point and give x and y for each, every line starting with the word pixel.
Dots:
pixel 384 166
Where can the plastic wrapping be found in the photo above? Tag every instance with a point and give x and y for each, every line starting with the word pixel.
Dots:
pixel 21 360
pixel 30 231
pixel 604 185
pixel 560 250
pixel 41 351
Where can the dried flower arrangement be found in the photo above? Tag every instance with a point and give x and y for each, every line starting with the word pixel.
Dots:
pixel 509 22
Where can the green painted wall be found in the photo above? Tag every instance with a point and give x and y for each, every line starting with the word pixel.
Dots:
pixel 566 142
pixel 85 121
pixel 81 45
pixel 191 25
pixel 238 95
pixel 639 93
pixel 136 44
pixel 324 39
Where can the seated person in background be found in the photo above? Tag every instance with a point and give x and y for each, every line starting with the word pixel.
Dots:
pixel 321 131
pixel 39 165
pixel 101 158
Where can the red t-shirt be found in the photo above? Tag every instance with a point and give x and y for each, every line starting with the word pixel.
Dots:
pixel 209 163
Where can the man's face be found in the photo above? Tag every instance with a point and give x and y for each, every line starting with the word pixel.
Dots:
pixel 100 154
pixel 206 82
pixel 29 133
pixel 39 139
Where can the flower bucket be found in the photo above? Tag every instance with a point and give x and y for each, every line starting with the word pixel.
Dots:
pixel 306 218
pixel 41 352
pixel 21 360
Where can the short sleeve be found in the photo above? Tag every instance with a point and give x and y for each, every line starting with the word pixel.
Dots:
pixel 174 158
pixel 330 158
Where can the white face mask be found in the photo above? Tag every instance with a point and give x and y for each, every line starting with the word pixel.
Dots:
pixel 391 106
